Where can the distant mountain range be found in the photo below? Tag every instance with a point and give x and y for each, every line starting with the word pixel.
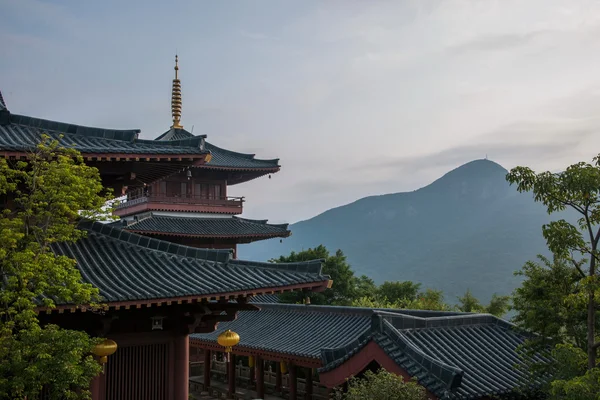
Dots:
pixel 467 230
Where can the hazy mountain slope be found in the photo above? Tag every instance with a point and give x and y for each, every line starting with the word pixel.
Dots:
pixel 468 229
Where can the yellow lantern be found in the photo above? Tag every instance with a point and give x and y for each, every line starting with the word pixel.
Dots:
pixel 283 367
pixel 104 349
pixel 228 339
pixel 251 361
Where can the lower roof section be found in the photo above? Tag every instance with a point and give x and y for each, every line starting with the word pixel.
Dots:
pixel 453 355
pixel 132 269
pixel 196 226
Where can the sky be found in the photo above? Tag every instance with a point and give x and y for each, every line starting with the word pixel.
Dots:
pixel 355 97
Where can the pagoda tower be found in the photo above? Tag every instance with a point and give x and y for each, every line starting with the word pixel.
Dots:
pixel 192 207
pixel 155 293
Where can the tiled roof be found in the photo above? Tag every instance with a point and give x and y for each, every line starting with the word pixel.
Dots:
pixel 454 355
pixel 265 298
pixel 129 267
pixel 293 329
pixel 222 158
pixel 207 227
pixel 175 134
pixel 2 103
pixel 22 133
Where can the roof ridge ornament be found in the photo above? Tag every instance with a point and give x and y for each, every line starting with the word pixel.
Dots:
pixel 176 98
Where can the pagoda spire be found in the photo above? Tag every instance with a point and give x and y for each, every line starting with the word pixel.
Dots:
pixel 176 98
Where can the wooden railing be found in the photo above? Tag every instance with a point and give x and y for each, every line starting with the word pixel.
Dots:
pixel 243 379
pixel 138 197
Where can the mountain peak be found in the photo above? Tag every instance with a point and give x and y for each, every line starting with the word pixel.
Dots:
pixel 469 229
pixel 479 167
pixel 482 169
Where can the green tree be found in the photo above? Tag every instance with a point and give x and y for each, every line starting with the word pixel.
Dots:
pixel 382 385
pixel 50 193
pixel 542 306
pixel 428 300
pixel 572 379
pixel 400 291
pixel 364 286
pixel 345 284
pixel 577 188
pixel 498 305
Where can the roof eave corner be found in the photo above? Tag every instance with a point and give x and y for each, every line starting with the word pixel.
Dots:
pixel 4 117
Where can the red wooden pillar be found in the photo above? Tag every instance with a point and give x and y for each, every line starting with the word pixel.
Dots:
pixel 231 376
pixel 97 387
pixel 252 367
pixel 278 377
pixel 260 377
pixel 293 383
pixel 308 387
pixel 207 363
pixel 181 368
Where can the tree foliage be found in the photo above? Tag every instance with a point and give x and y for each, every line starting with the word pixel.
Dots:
pixel 382 385
pixel 577 188
pixel 362 291
pixel 498 305
pixel 49 193
pixel 559 299
pixel 543 304
pixel 345 287
pixel 428 300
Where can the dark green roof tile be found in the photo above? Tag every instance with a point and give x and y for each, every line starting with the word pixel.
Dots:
pixel 23 133
pixel 2 103
pixel 222 158
pixel 207 227
pixel 454 355
pixel 130 267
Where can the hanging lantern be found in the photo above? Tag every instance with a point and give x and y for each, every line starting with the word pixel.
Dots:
pixel 251 361
pixel 189 174
pixel 228 339
pixel 104 349
pixel 283 367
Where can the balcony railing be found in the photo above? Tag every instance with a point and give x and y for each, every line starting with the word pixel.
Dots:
pixel 140 196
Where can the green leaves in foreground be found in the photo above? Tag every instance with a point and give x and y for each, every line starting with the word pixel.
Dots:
pixel 48 195
pixel 382 385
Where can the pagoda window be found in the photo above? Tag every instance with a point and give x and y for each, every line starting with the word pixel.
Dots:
pixel 216 191
pixel 176 189
pixel 184 190
pixel 162 188
pixel 201 190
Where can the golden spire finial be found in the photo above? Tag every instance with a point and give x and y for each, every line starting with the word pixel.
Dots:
pixel 176 98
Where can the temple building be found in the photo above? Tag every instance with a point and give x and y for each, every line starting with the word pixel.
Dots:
pixel 304 351
pixel 158 292
pixel 192 206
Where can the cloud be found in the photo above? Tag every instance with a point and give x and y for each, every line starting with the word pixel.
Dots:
pixel 515 142
pixel 501 42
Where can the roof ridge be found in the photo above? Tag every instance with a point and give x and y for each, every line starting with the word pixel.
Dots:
pixel 127 135
pixel 175 131
pixel 262 222
pixel 2 102
pixel 194 141
pixel 323 309
pixel 117 233
pixel 406 321
pixel 256 221
pixel 249 156
pixel 449 374
pixel 311 266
